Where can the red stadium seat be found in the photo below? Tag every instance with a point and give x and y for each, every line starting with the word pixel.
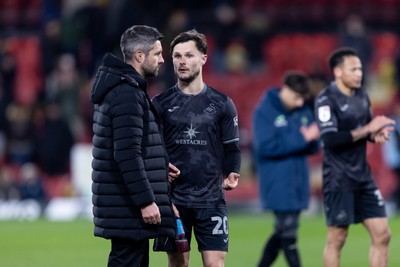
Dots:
pixel 29 80
pixel 385 46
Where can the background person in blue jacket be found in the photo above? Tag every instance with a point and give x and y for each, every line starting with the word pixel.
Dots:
pixel 285 133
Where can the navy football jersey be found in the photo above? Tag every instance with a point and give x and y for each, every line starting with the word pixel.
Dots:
pixel 346 165
pixel 195 128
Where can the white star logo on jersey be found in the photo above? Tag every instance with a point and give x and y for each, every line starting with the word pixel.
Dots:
pixel 191 132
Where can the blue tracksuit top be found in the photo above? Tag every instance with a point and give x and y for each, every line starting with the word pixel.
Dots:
pixel 280 152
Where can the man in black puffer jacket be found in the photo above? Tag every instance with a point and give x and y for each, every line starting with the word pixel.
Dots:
pixel 130 166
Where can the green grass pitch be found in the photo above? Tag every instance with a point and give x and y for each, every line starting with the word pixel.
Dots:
pixel 64 244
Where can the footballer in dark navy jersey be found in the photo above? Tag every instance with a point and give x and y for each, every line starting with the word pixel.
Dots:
pixel 344 165
pixel 343 112
pixel 196 127
pixel 201 133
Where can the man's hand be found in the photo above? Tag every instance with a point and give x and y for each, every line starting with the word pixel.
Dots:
pixel 151 214
pixel 231 181
pixel 383 135
pixel 378 123
pixel 310 133
pixel 173 172
pixel 175 211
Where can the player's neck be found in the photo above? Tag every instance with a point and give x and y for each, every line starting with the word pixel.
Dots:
pixel 192 88
pixel 344 89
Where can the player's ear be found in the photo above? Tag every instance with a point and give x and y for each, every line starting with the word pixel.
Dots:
pixel 337 72
pixel 204 59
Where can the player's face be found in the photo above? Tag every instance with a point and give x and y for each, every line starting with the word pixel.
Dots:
pixel 152 62
pixel 350 72
pixel 188 61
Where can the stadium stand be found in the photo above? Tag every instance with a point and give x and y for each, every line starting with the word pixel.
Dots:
pixel 300 35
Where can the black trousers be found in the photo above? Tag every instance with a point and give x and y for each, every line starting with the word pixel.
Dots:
pixel 129 253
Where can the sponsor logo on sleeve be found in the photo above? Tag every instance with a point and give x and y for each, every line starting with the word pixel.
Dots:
pixel 324 113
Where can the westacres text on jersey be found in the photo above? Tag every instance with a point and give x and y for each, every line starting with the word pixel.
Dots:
pixel 191 142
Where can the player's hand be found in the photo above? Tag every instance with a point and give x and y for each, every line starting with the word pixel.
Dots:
pixel 310 133
pixel 383 135
pixel 231 182
pixel 378 123
pixel 151 214
pixel 173 172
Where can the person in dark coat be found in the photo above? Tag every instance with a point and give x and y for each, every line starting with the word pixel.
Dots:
pixel 130 164
pixel 285 133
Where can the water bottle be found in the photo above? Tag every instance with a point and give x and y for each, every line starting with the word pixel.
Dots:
pixel 182 243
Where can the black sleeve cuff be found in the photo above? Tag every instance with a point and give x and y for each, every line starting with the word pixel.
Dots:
pixel 335 139
pixel 232 159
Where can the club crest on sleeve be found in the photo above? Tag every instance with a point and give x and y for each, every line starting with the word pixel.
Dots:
pixel 324 113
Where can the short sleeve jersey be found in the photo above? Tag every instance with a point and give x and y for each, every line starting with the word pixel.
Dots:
pixel 195 129
pixel 346 165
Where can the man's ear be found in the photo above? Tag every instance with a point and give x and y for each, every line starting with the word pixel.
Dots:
pixel 139 56
pixel 337 72
pixel 204 59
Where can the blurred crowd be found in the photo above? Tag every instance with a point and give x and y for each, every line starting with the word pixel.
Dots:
pixel 50 49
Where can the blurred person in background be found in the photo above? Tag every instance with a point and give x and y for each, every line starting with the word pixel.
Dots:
pixel 53 140
pixel 31 184
pixel 285 133
pixel 64 85
pixel 354 34
pixel 130 164
pixel 201 134
pixel 351 196
pixel 391 157
pixel 20 146
pixel 8 186
pixel 52 151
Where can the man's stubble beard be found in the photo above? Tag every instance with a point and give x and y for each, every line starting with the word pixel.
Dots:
pixel 150 72
pixel 190 78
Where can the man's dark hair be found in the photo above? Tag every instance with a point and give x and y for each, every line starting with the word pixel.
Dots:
pixel 297 81
pixel 138 37
pixel 192 35
pixel 337 56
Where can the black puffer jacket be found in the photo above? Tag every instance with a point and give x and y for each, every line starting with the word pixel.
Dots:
pixel 129 157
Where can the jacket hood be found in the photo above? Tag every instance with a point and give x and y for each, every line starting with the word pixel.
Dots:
pixel 111 73
pixel 271 98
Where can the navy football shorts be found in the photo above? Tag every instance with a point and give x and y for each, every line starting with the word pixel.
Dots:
pixel 210 227
pixel 343 208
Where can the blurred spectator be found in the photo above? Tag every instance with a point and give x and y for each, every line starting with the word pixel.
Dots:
pixel 391 156
pixel 19 135
pixel 7 77
pixel 8 187
pixel 50 33
pixel 63 85
pixel 53 141
pixel 354 34
pixel 236 57
pixel 51 45
pixel 83 33
pixel 30 183
pixel 255 30
pixel 225 30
